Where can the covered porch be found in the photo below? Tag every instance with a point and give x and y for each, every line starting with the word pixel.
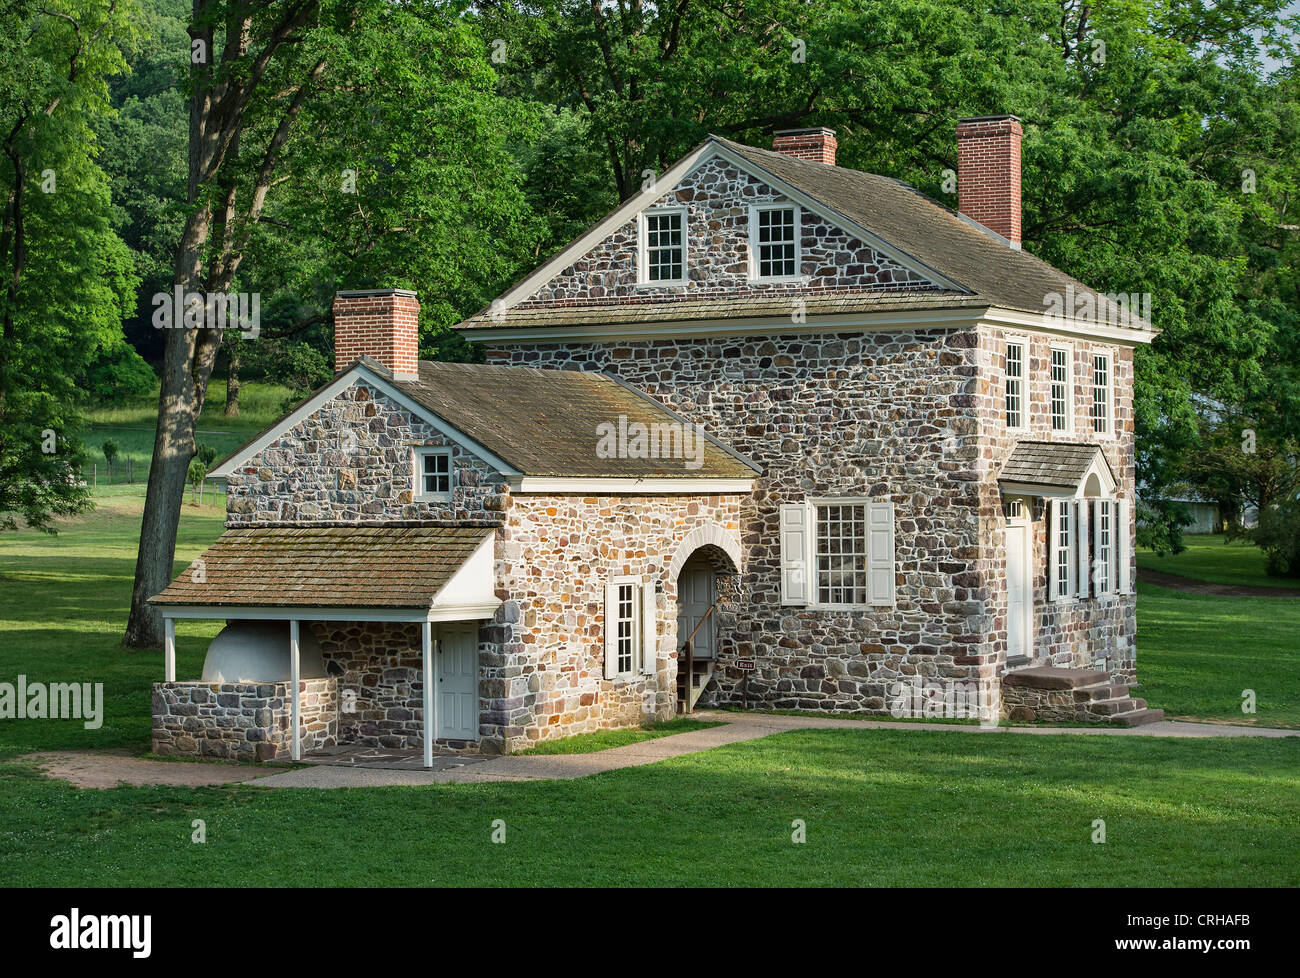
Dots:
pixel 329 630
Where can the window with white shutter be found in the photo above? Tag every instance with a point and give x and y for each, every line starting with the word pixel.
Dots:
pixel 838 553
pixel 1061 552
pixel 796 519
pixel 1123 574
pixel 1083 573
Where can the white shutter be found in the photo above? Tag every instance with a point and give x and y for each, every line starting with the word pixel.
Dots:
pixel 611 631
pixel 796 539
pixel 1096 543
pixel 880 553
pixel 1053 531
pixel 649 628
pixel 1125 584
pixel 1083 547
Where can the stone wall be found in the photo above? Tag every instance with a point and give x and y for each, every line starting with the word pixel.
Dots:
pixel 718 196
pixel 1092 632
pixel 544 660
pixel 353 460
pixel 887 415
pixel 241 721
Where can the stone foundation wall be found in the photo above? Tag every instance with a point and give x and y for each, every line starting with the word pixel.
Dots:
pixel 1025 703
pixel 241 721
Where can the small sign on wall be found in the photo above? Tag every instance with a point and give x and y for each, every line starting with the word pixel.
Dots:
pixel 745 665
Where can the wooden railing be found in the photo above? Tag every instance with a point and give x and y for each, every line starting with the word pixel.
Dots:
pixel 688 647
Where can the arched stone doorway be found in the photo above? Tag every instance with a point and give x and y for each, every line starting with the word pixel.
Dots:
pixel 705 571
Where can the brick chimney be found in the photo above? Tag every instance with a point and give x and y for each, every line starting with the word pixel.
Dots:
pixel 988 173
pixel 382 324
pixel 817 145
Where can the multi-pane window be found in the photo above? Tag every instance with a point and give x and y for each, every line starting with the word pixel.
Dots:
pixel 434 473
pixel 1015 385
pixel 1101 566
pixel 1061 548
pixel 1101 394
pixel 665 247
pixel 1060 390
pixel 842 554
pixel 625 623
pixel 775 237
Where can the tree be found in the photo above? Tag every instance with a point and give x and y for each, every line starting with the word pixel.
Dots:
pixel 66 277
pixel 110 449
pixel 330 143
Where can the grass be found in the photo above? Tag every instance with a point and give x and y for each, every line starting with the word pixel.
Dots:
pixel 131 425
pixel 605 739
pixel 1196 655
pixel 1209 558
pixel 882 808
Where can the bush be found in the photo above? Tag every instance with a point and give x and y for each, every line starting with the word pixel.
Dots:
pixel 118 375
pixel 1160 525
pixel 1278 535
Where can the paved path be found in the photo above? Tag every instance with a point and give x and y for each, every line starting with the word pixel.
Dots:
pixel 1176 582
pixel 736 727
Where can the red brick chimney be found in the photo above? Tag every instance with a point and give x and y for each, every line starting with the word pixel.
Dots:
pixel 988 173
pixel 382 324
pixel 817 145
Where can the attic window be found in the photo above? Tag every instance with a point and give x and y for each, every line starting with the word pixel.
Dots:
pixel 774 242
pixel 663 247
pixel 433 473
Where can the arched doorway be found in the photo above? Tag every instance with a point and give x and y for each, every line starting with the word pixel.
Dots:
pixel 705 571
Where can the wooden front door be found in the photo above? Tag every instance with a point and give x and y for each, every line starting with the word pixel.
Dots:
pixel 1020 595
pixel 457 684
pixel 695 593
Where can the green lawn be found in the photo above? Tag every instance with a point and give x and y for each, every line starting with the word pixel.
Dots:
pixel 1209 558
pixel 1196 655
pixel 605 739
pixel 882 808
pixel 132 427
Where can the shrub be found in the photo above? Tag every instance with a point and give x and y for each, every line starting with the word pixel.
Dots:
pixel 1278 535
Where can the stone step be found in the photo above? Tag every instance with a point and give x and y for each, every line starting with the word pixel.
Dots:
pixel 1137 718
pixel 1055 677
pixel 1101 691
pixel 1119 704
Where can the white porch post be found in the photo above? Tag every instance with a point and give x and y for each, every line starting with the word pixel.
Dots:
pixel 427 635
pixel 169 650
pixel 295 741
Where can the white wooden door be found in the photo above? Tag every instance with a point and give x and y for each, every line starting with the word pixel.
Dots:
pixel 694 596
pixel 1020 596
pixel 458 683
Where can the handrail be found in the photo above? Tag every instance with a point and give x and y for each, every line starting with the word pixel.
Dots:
pixel 689 648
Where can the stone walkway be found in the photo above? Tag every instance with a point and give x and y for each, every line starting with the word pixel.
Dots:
pixel 736 727
pixel 109 768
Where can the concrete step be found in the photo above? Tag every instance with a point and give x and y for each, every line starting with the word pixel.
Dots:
pixel 1137 718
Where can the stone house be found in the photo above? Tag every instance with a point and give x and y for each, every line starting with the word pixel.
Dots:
pixel 774 432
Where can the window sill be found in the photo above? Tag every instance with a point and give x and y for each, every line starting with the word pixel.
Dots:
pixel 442 498
pixel 781 280
pixel 662 284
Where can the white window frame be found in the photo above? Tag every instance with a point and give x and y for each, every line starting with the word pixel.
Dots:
pixel 1103 563
pixel 1107 400
pixel 420 454
pixel 1068 385
pixel 1058 551
pixel 643 248
pixel 1022 409
pixel 754 264
pixel 635 629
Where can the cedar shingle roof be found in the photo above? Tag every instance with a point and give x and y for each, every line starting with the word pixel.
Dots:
pixel 990 272
pixel 326 567
pixel 1044 463
pixel 544 422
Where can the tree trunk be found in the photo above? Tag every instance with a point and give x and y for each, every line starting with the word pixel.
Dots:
pixel 232 382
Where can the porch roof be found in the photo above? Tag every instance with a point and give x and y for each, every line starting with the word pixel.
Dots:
pixel 402 569
pixel 1045 468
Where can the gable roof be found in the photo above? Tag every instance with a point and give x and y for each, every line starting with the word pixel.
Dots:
pixel 524 421
pixel 327 567
pixel 972 266
pixel 1060 466
pixel 544 422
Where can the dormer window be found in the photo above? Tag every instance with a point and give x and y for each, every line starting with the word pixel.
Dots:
pixel 663 246
pixel 433 474
pixel 774 242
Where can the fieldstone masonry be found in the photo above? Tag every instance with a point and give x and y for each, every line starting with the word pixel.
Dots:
pixel 241 721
